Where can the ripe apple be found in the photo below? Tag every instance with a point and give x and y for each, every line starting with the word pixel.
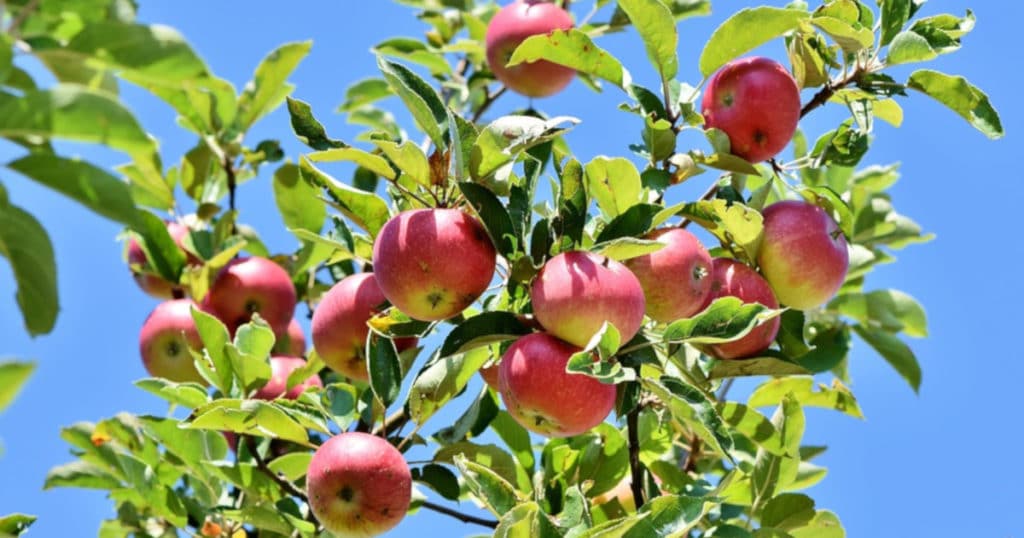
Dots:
pixel 292 342
pixel 803 255
pixel 757 103
pixel 433 263
pixel 576 292
pixel 339 324
pixel 149 282
pixel 358 485
pixel 542 396
pixel 510 27
pixel 675 279
pixel 164 342
pixel 732 278
pixel 249 285
pixel 282 367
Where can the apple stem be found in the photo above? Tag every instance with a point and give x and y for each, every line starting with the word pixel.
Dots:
pixel 636 471
pixel 465 518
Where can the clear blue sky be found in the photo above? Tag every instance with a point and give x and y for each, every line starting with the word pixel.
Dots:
pixel 943 463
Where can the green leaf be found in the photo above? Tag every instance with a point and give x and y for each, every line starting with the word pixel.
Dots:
pixel 250 354
pixel 424 104
pixel 439 479
pixel 745 31
pixel 756 366
pixel 190 395
pixel 481 330
pixel 340 399
pixel 374 163
pixel 726 162
pixel 505 138
pixel 497 494
pixel 27 247
pixel 688 405
pixel 526 520
pixel 162 253
pixel 515 436
pixel 614 183
pixel 959 95
pixel 895 352
pixel 13 375
pixel 292 466
pixel 416 51
pixel 215 337
pixel 74 113
pixel 824 525
pixel 838 397
pixel 384 368
pixel 730 223
pixel 788 511
pixel 80 474
pixel 850 37
pixel 307 129
pixel 596 358
pixel 572 48
pixel 670 515
pixel 409 158
pixel 248 417
pixel 656 26
pixel 89 185
pixel 366 209
pixel 890 310
pixel 474 421
pixel 441 380
pixel 495 217
pixel 297 200
pixel 269 85
pixel 157 54
pixel 492 457
pixel 752 425
pixel 625 248
pixel 895 14
pixel 15 524
pixel 364 92
pixel 725 320
pixel 928 38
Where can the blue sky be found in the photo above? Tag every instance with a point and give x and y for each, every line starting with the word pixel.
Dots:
pixel 942 463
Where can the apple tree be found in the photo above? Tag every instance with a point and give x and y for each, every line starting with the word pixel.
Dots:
pixel 607 315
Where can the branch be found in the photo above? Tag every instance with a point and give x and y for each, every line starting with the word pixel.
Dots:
pixel 636 472
pixel 465 518
pixel 392 423
pixel 488 101
pixel 826 93
pixel 285 485
pixel 15 27
pixel 229 169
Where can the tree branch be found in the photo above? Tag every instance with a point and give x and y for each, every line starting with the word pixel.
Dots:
pixel 261 464
pixel 826 92
pixel 229 169
pixel 636 472
pixel 465 518
pixel 392 423
pixel 15 28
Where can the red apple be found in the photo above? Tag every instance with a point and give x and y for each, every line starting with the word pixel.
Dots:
pixel 576 292
pixel 675 279
pixel 433 263
pixel 249 285
pixel 165 340
pixel 510 27
pixel 732 278
pixel 282 367
pixel 757 103
pixel 803 255
pixel 150 282
pixel 339 324
pixel 358 485
pixel 490 375
pixel 542 396
pixel 292 342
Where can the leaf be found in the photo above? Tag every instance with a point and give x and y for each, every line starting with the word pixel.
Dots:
pixel 364 92
pixel 409 158
pixel 633 222
pixel 291 466
pixel 890 310
pixel 441 380
pixel 250 354
pixel 927 38
pixel 13 375
pixel 614 183
pixel 669 516
pixel 895 14
pixel 689 406
pixel 298 201
pixel 439 478
pixel 787 511
pixel 384 369
pixel 88 185
pixel 850 37
pixel 730 223
pixel 505 138
pixel 895 352
pixel 248 417
pixel 497 494
pixel 367 210
pixel 596 358
pixel 838 397
pixel 494 216
pixel 27 247
pixel 824 525
pixel 756 366
pixel 625 248
pixel 656 26
pixel 15 524
pixel 190 395
pixel 481 330
pixel 480 414
pixel 492 457
pixel 269 85
pixel 215 337
pixel 157 53
pixel 369 161
pixel 572 48
pixel 307 129
pixel 74 113
pixel 959 95
pixel 162 252
pixel 725 320
pixel 80 474
pixel 752 425
pixel 424 104
pixel 745 31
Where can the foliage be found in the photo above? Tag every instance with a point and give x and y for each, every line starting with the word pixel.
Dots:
pixel 696 462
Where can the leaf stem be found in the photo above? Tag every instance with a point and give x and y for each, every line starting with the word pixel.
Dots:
pixel 14 29
pixel 636 471
pixel 465 518
pixel 488 101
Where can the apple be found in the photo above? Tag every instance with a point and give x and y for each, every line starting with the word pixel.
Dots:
pixel 282 367
pixel 803 255
pixel 433 263
pixel 165 341
pixel 339 324
pixel 510 27
pixel 675 279
pixel 732 278
pixel 756 102
pixel 358 485
pixel 490 375
pixel 249 285
pixel 152 283
pixel 576 292
pixel 542 396
pixel 292 342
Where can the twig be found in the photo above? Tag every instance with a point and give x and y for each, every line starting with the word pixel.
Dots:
pixel 392 423
pixel 229 169
pixel 285 485
pixel 465 518
pixel 691 457
pixel 826 93
pixel 708 194
pixel 636 472
pixel 15 27
pixel 488 101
